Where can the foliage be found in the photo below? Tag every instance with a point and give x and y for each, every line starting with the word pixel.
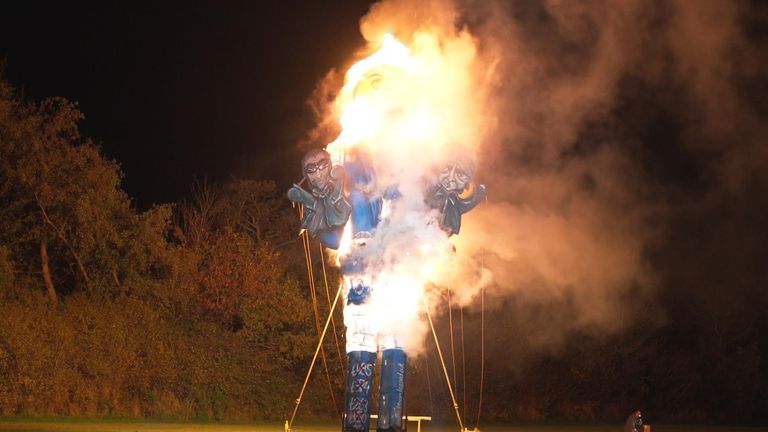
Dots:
pixel 149 318
pixel 57 187
pixel 123 358
pixel 6 271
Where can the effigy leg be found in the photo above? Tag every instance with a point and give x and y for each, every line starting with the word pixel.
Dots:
pixel 392 391
pixel 357 406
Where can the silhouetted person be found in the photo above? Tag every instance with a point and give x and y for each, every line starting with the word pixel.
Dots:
pixel 634 422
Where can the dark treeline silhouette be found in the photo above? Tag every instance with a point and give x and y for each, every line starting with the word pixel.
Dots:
pixel 201 310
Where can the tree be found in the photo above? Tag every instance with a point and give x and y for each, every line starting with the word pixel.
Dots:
pixel 255 208
pixel 68 217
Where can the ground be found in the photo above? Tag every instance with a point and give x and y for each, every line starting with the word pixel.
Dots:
pixel 12 424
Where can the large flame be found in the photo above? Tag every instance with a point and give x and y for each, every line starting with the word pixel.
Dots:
pixel 408 107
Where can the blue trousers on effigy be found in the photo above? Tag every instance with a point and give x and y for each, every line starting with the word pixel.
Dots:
pixel 357 404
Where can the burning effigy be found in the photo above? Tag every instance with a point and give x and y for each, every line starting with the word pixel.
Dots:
pixel 387 195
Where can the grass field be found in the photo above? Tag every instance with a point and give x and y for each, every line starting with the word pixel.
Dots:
pixel 11 424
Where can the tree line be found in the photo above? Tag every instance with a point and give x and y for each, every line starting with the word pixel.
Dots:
pixel 190 310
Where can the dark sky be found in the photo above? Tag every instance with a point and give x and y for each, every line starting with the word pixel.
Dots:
pixel 180 90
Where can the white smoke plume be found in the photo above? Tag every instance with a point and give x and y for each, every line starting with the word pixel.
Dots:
pixel 536 93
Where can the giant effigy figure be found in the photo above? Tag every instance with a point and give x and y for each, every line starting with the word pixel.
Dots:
pixel 327 209
pixel 350 195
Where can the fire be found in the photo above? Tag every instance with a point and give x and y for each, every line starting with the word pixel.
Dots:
pixel 406 106
pixel 363 103
pixel 362 100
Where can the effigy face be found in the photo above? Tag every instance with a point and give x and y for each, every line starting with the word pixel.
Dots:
pixel 317 169
pixel 454 193
pixel 454 178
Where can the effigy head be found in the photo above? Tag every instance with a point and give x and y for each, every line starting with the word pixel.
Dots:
pixel 316 165
pixel 456 174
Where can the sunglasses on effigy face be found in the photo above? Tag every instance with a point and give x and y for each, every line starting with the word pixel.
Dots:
pixel 312 168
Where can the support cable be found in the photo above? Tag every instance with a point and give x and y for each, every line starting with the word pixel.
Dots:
pixel 445 370
pixel 333 322
pixel 289 424
pixel 482 346
pixel 313 295
pixel 429 384
pixel 453 349
pixel 463 361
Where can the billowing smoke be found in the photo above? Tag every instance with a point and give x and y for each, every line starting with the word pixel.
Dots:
pixel 592 124
pixel 612 119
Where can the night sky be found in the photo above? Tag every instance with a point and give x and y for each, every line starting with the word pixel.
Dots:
pixel 178 91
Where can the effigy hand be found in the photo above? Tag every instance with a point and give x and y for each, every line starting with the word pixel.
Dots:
pixel 465 204
pixel 298 195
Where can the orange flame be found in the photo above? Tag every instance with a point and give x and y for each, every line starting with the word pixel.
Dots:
pixel 406 107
